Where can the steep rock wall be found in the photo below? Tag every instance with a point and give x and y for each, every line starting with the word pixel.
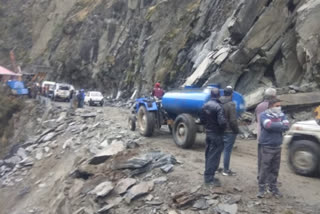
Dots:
pixel 124 45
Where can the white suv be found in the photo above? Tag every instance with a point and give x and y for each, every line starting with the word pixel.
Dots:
pixel 62 92
pixel 94 98
pixel 303 140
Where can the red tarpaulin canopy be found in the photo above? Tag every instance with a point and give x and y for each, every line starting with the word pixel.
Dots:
pixel 4 71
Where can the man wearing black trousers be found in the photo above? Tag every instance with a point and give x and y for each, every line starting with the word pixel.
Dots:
pixel 212 116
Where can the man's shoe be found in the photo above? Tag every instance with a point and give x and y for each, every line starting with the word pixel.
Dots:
pixel 262 192
pixel 214 183
pixel 228 173
pixel 220 170
pixel 275 192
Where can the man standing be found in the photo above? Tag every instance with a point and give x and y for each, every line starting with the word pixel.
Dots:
pixel 81 97
pixel 231 131
pixel 213 118
pixel 269 93
pixel 273 123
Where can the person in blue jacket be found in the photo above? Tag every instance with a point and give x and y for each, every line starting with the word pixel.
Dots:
pixel 81 97
pixel 273 123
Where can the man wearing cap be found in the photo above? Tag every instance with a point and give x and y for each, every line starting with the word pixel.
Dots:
pixel 269 94
pixel 231 131
pixel 213 118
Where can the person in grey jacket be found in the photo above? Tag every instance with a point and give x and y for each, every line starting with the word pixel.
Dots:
pixel 232 129
pixel 273 123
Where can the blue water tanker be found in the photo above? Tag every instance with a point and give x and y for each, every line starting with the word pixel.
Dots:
pixel 191 100
pixel 179 110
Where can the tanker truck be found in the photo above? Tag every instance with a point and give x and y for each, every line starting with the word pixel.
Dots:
pixel 179 110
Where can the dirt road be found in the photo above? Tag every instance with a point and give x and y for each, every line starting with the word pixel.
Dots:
pixel 295 188
pixel 48 187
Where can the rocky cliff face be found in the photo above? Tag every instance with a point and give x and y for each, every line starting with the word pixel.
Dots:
pixel 124 45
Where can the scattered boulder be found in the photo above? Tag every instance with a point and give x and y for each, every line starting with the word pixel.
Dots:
pixel 102 189
pixel 201 204
pixel 124 184
pixel 139 190
pixel 113 149
pixel 227 208
pixel 160 180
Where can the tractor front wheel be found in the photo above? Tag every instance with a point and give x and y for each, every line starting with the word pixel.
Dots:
pixel 146 121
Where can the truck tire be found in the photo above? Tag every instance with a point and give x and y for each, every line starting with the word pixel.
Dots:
pixel 304 157
pixel 184 131
pixel 132 123
pixel 146 122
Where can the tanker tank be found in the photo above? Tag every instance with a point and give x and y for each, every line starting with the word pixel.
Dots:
pixel 191 100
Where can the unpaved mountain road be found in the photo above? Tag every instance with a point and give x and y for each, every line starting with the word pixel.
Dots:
pixel 47 187
pixel 243 162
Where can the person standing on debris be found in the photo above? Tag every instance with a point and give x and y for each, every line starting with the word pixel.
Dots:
pixel 157 91
pixel 273 123
pixel 212 116
pixel 231 131
pixel 81 97
pixel 269 94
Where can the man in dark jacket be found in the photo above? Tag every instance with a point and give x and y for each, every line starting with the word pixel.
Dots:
pixel 232 129
pixel 273 123
pixel 213 118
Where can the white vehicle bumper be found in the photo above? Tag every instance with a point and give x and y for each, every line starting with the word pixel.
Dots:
pixel 287 139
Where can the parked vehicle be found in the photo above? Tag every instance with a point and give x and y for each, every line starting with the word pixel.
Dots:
pixel 303 141
pixel 17 87
pixel 94 98
pixel 61 92
pixel 47 88
pixel 179 110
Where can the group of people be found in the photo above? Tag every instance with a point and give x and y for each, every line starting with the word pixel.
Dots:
pixel 220 120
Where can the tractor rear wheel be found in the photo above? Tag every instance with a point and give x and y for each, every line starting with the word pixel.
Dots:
pixel 184 131
pixel 146 121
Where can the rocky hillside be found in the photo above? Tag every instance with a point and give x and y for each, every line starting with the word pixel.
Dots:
pixel 124 45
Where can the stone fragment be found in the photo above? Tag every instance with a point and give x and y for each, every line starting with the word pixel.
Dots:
pixel 160 180
pixel 149 197
pixel 172 212
pixel 154 203
pixel 39 155
pixel 124 184
pixel 184 199
pixel 46 149
pixel 49 136
pixel 201 204
pixel 13 160
pixel 22 153
pixel 234 199
pixel 227 208
pixel 113 149
pixel 300 99
pixel 62 117
pixel 139 190
pixel 27 162
pixel 89 115
pixel 102 189
pixel 212 202
pixel 105 208
pixel 167 168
